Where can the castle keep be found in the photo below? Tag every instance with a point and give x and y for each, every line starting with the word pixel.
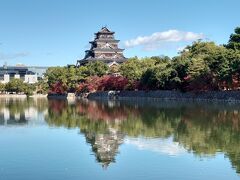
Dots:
pixel 104 48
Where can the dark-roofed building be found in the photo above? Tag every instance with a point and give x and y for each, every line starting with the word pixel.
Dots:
pixel 104 48
pixel 18 72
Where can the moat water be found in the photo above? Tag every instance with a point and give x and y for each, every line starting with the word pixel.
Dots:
pixel 62 140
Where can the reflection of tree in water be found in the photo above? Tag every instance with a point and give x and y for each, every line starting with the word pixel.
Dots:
pixel 107 111
pixel 200 128
pixel 208 131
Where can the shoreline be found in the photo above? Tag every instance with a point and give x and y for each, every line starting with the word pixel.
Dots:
pixel 209 96
pixel 158 95
pixel 22 96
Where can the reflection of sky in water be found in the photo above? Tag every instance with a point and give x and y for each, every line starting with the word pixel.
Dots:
pixel 159 145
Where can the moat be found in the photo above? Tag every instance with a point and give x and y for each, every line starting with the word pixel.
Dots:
pixel 57 139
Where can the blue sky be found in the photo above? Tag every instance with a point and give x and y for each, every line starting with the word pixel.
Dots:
pixel 57 32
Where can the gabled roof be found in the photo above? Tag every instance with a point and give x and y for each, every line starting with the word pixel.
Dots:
pixel 104 30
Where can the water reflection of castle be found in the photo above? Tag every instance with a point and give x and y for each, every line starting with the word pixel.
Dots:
pixel 105 146
pixel 105 143
pixel 96 122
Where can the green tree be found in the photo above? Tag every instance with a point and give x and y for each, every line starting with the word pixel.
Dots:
pixel 2 87
pixel 162 76
pixel 56 74
pixel 134 67
pixel 234 61
pixel 15 85
pixel 72 78
pixel 42 86
pixel 161 59
pixel 234 40
pixel 28 89
pixel 204 59
pixel 197 67
pixel 97 68
pixel 131 69
pixel 181 65
pixel 82 73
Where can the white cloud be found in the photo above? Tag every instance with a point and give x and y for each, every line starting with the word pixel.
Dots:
pixel 4 56
pixel 156 39
pixel 163 146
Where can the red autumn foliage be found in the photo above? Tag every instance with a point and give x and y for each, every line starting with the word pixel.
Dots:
pixel 58 88
pixel 90 85
pixel 106 83
pixel 113 83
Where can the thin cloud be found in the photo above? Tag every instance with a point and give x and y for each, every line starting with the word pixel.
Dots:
pixel 163 146
pixel 9 56
pixel 157 39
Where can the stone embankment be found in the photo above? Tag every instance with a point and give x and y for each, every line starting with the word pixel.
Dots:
pixel 168 95
pixel 70 96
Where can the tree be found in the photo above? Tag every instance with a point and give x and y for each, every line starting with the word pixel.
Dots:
pixel 58 88
pixel 197 67
pixel 42 86
pixel 234 60
pixel 15 85
pixel 68 76
pixel 2 87
pixel 28 89
pixel 56 74
pixel 181 65
pixel 233 80
pixel 134 67
pixel 161 59
pixel 131 69
pixel 114 69
pixel 203 60
pixel 234 40
pixel 72 78
pixel 91 84
pixel 97 68
pixel 162 76
pixel 110 82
